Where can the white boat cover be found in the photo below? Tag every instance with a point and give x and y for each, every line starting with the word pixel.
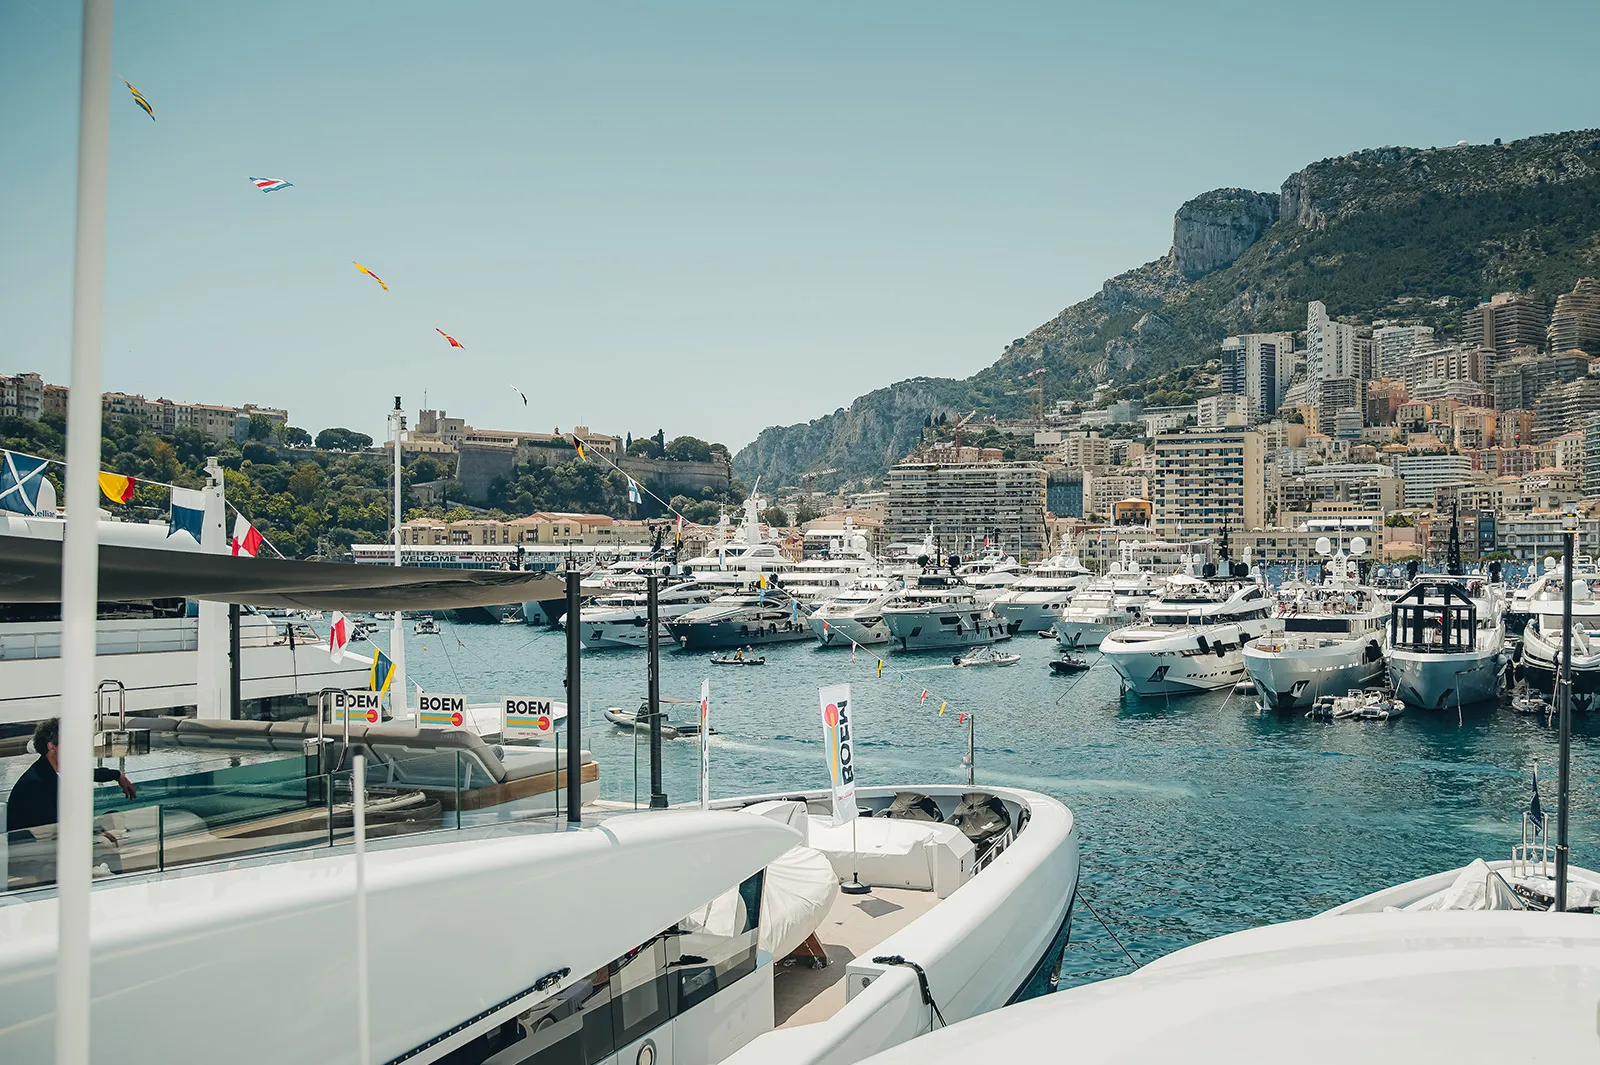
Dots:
pixel 1476 887
pixel 800 888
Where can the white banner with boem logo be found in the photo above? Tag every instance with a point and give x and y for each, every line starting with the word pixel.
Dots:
pixel 441 711
pixel 838 731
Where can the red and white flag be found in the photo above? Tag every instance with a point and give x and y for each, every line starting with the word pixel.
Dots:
pixel 338 637
pixel 924 697
pixel 246 541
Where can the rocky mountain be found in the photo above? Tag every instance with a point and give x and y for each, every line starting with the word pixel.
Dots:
pixel 1385 232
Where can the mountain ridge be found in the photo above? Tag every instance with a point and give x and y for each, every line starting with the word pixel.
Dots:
pixel 1362 231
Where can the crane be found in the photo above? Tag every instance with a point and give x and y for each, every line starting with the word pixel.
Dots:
pixel 970 415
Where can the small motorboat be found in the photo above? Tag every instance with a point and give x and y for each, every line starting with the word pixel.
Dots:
pixel 985 656
pixel 426 626
pixel 739 658
pixel 1046 634
pixel 1531 704
pixel 1356 705
pixel 1068 664
pixel 638 720
pixel 511 617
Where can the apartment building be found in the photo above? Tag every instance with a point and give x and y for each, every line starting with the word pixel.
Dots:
pixel 1392 346
pixel 1575 323
pixel 1425 474
pixel 1257 367
pixel 1507 322
pixel 967 502
pixel 1083 449
pixel 1331 350
pixel 1104 488
pixel 22 396
pixel 1520 383
pixel 1213 412
pixel 1207 480
pixel 1564 408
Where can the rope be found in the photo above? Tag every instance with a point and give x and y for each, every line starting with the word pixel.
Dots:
pixel 1081 677
pixel 1109 932
pixel 922 981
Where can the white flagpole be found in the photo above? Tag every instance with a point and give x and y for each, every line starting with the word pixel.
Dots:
pixel 705 743
pixel 80 552
pixel 358 791
pixel 397 638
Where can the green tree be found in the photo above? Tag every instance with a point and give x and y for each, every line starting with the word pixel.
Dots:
pixel 293 436
pixel 306 482
pixel 775 517
pixel 260 427
pixel 688 449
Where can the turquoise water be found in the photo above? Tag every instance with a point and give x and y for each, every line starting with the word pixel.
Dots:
pixel 1197 816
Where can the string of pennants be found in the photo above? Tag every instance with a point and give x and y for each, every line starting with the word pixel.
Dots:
pixel 25 490
pixel 925 696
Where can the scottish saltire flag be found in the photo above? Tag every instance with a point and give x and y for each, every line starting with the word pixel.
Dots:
pixel 269 184
pixel 633 491
pixel 138 98
pixel 20 481
pixel 188 512
pixel 338 637
pixel 382 672
pixel 1535 811
pixel 245 540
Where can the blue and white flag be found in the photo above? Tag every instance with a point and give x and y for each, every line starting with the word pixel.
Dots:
pixel 633 491
pixel 20 481
pixel 188 512
pixel 794 610
pixel 1535 811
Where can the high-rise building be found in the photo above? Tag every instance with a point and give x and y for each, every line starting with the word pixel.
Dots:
pixel 1520 383
pixel 1213 412
pixel 1450 362
pixel 1392 346
pixel 1591 453
pixel 1258 366
pixel 1508 321
pixel 1576 321
pixel 1424 474
pixel 1331 350
pixel 967 503
pixel 1564 408
pixel 1338 394
pixel 1207 480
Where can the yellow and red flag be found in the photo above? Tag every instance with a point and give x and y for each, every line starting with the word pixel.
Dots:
pixel 454 343
pixel 579 445
pixel 372 275
pixel 117 488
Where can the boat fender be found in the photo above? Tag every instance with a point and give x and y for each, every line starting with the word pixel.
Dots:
pixel 1222 650
pixel 1373 653
pixel 922 981
pixel 1200 642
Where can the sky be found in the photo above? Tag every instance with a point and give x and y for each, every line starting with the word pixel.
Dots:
pixel 701 217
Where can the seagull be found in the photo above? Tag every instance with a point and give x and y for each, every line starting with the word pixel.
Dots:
pixel 518 391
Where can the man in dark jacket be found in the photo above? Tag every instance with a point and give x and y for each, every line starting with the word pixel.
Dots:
pixel 33 801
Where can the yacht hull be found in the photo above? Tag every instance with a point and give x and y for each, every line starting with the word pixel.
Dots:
pixel 842 631
pixel 1072 632
pixel 1538 668
pixel 714 635
pixel 1431 680
pixel 1029 617
pixel 1293 679
pixel 1173 673
pixel 929 632
pixel 615 635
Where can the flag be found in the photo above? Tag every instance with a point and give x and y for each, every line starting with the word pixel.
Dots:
pixel 852 650
pixel 838 732
pixel 677 537
pixel 188 512
pixel 372 275
pixel 269 184
pixel 705 743
pixel 794 614
pixel 382 672
pixel 138 98
pixel 825 632
pixel 21 480
pixel 246 540
pixel 633 492
pixel 941 708
pixel 521 394
pixel 961 719
pixel 1535 811
pixel 880 669
pixel 923 698
pixel 454 343
pixel 579 445
pixel 117 488
pixel 761 580
pixel 338 637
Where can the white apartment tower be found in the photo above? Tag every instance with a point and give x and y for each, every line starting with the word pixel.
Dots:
pixel 1258 366
pixel 1331 350
pixel 1392 346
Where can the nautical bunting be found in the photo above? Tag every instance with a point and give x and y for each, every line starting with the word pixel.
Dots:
pixel 246 540
pixel 21 481
pixel 454 343
pixel 382 672
pixel 116 488
pixel 138 98
pixel 267 184
pixel 579 445
pixel 188 512
pixel 338 637
pixel 372 275
pixel 633 492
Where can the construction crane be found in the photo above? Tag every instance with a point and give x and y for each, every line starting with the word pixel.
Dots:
pixel 959 425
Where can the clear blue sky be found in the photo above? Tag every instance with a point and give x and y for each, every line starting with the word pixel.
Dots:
pixel 702 217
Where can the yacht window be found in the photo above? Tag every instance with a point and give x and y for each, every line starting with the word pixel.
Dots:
pixel 718 944
pixel 950 620
pixel 1316 624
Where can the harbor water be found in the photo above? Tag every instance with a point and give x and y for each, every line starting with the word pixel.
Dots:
pixel 1198 815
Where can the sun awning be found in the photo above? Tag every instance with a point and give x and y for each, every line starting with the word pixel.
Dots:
pixel 30 572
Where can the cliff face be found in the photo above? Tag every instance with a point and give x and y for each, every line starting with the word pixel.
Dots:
pixel 1376 233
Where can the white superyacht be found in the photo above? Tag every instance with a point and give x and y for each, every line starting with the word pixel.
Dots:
pixel 1034 603
pixel 855 615
pixel 1112 602
pixel 1447 638
pixel 941 612
pixel 1541 637
pixel 1194 637
pixel 1333 636
pixel 622 618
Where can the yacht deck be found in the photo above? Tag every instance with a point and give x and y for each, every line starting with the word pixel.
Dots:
pixel 855 926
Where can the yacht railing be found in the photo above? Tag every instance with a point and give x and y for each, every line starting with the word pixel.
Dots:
pixel 25 646
pixel 1535 858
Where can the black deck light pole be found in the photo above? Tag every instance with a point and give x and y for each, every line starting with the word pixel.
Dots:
pixel 1564 704
pixel 658 791
pixel 234 712
pixel 574 699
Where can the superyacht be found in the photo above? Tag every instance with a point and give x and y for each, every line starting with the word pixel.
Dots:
pixel 1034 603
pixel 842 562
pixel 743 618
pixel 855 615
pixel 622 618
pixel 744 552
pixel 941 612
pixel 1541 638
pixel 1195 636
pixel 1112 602
pixel 990 574
pixel 1332 639
pixel 1447 638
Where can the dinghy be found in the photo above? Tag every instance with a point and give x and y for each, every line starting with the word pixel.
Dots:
pixel 985 656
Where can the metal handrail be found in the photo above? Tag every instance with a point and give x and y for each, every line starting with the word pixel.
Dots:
pixel 100 705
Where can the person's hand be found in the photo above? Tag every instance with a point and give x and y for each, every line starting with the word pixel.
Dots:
pixel 112 840
pixel 126 785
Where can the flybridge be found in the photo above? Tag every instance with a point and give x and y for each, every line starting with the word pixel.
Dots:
pixel 493 556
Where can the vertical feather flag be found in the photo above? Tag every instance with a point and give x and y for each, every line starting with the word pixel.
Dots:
pixel 116 488
pixel 382 672
pixel 138 98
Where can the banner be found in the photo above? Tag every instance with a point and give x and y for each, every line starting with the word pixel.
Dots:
pixel 356 705
pixel 441 711
pixel 838 734
pixel 529 714
pixel 705 743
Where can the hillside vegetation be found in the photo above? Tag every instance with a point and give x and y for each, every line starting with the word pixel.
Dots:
pixel 1421 234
